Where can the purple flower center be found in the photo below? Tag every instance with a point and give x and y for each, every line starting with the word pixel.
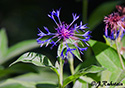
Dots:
pixel 65 32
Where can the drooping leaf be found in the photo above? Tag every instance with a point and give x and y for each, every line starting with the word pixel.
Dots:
pixel 106 55
pixel 3 44
pixel 36 59
pixel 77 54
pixel 98 14
pixel 91 69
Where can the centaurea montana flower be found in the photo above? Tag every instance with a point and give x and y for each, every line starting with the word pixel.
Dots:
pixel 115 26
pixel 68 35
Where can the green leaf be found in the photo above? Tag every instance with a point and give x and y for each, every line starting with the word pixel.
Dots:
pixel 17 84
pixel 86 79
pixel 44 75
pixel 34 58
pixel 105 75
pixel 91 69
pixel 113 77
pixel 110 42
pixel 83 82
pixel 3 44
pixel 123 81
pixel 60 48
pixel 72 46
pixel 123 46
pixel 123 41
pixel 117 76
pixel 17 69
pixel 98 14
pixel 79 84
pixel 106 55
pixel 19 48
pixel 13 85
pixel 75 52
pixel 88 62
pixel 46 85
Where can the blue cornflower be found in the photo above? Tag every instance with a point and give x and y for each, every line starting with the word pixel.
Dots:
pixel 67 34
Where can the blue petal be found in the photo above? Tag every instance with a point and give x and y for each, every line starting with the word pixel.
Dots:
pixel 75 17
pixel 112 36
pixel 69 50
pixel 82 26
pixel 39 41
pixel 57 12
pixel 87 39
pixel 46 29
pixel 87 34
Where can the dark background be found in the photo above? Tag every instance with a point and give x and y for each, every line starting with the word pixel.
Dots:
pixel 21 18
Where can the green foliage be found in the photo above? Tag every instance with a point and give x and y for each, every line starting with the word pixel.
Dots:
pixel 43 61
pixel 108 58
pixel 36 59
pixel 3 44
pixel 110 42
pixel 45 77
pixel 20 47
pixel 11 83
pixel 15 50
pixel 91 69
pixel 83 82
pixel 106 55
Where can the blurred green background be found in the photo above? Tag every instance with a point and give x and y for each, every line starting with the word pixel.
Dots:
pixel 21 18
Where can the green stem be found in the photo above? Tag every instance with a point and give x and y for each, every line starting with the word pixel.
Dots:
pixel 71 64
pixel 119 55
pixel 84 12
pixel 61 74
